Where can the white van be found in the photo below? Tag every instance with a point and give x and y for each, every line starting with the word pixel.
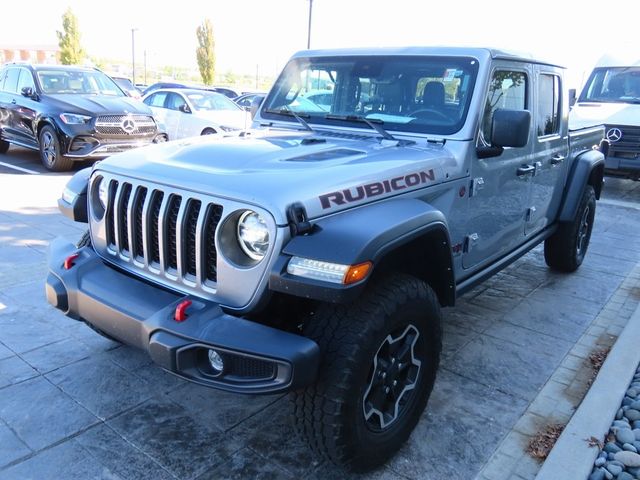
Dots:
pixel 611 96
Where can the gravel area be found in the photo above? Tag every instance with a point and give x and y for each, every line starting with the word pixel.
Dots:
pixel 620 457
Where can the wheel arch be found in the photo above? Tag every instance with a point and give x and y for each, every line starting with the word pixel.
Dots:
pixel 588 169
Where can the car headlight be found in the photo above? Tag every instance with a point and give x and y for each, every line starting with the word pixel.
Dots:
pixel 74 118
pixel 253 235
pixel 103 192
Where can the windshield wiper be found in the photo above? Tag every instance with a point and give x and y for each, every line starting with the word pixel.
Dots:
pixel 285 110
pixel 374 123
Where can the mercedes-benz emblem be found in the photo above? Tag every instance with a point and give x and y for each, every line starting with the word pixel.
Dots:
pixel 614 134
pixel 128 125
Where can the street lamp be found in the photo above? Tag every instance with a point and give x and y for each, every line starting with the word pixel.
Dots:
pixel 133 55
pixel 309 29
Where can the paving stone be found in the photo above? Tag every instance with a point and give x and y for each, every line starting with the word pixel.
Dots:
pixel 102 387
pixel 11 447
pixel 160 381
pixel 525 337
pixel 454 338
pixel 56 355
pixel 65 461
pixel 5 352
pixel 175 438
pixel 248 464
pixel 41 414
pixel 15 370
pixel 22 335
pixel 270 434
pixel 505 366
pixel 496 300
pixel 119 456
pixel 222 409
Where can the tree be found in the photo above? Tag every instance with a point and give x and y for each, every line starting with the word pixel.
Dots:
pixel 204 53
pixel 71 53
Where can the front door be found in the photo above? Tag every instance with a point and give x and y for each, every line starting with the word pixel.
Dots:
pixel 499 185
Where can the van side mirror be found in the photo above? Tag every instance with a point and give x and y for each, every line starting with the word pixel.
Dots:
pixel 572 97
pixel 509 128
pixel 255 105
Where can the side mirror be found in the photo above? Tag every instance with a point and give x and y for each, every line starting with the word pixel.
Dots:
pixel 572 97
pixel 509 128
pixel 255 106
pixel 184 108
pixel 27 92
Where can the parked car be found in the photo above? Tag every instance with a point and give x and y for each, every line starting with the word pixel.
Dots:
pixel 314 257
pixel 244 101
pixel 322 98
pixel 69 113
pixel 127 87
pixel 188 112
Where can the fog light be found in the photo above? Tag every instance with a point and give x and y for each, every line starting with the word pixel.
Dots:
pixel 216 362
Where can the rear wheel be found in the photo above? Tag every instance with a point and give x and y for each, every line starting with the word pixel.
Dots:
pixel 379 361
pixel 50 151
pixel 565 249
pixel 208 131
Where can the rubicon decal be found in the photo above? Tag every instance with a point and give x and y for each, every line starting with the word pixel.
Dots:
pixel 369 190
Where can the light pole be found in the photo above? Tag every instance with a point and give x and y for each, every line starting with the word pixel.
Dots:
pixel 309 29
pixel 133 55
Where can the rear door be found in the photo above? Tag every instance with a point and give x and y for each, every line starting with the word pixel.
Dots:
pixel 550 149
pixel 499 189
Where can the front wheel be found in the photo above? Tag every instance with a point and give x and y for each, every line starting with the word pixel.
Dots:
pixel 379 361
pixel 565 249
pixel 50 151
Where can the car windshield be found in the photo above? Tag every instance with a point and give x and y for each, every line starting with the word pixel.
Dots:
pixel 613 85
pixel 78 82
pixel 408 93
pixel 208 101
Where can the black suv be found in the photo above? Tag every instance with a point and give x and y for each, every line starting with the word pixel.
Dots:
pixel 69 113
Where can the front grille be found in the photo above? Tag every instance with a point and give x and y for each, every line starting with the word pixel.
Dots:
pixel 629 144
pixel 115 125
pixel 165 234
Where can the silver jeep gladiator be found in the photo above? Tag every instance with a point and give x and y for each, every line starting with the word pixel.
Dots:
pixel 313 253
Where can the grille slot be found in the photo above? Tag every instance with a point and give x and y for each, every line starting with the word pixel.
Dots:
pixel 629 145
pixel 162 233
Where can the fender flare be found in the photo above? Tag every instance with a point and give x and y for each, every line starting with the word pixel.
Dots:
pixel 369 233
pixel 587 168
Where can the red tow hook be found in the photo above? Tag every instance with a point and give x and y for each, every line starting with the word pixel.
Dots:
pixel 68 263
pixel 181 311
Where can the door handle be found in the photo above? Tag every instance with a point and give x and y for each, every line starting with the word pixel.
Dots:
pixel 556 160
pixel 14 101
pixel 525 170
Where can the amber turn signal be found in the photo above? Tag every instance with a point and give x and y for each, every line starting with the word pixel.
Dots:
pixel 355 273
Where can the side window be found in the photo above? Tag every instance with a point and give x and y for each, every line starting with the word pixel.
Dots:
pixel 156 100
pixel 11 82
pixel 26 80
pixel 548 117
pixel 175 101
pixel 508 90
pixel 3 74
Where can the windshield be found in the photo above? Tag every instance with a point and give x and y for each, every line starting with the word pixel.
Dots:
pixel 407 93
pixel 78 82
pixel 613 85
pixel 207 101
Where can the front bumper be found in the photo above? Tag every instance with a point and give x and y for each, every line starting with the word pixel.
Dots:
pixel 257 358
pixel 623 166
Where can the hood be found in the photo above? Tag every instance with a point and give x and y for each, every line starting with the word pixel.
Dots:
pixel 96 104
pixel 229 118
pixel 589 114
pixel 275 169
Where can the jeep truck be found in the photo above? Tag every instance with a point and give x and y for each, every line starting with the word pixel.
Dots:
pixel 313 254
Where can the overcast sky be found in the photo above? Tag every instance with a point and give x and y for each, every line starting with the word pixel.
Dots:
pixel 265 33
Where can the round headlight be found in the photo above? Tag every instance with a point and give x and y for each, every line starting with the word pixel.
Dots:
pixel 253 235
pixel 103 192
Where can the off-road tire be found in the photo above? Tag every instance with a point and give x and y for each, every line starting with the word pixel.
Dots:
pixel 85 240
pixel 330 415
pixel 564 251
pixel 4 146
pixel 50 151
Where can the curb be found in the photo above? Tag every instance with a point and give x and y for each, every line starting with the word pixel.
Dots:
pixel 572 457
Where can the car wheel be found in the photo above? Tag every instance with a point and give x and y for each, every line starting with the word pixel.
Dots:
pixel 379 358
pixel 50 152
pixel 565 249
pixel 208 131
